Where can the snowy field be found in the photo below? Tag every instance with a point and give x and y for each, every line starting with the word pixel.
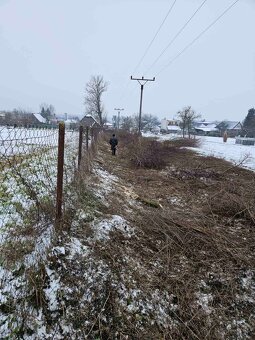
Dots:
pixel 19 140
pixel 235 153
pixel 214 146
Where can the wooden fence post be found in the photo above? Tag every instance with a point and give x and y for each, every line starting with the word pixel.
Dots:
pixel 80 146
pixel 87 138
pixel 60 173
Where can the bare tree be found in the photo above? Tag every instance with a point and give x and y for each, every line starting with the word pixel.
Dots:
pixel 187 117
pixel 93 97
pixel 127 123
pixel 148 122
pixel 47 111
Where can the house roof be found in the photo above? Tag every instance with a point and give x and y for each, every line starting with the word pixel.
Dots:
pixel 205 123
pixel 234 125
pixel 39 117
pixel 89 121
pixel 230 125
pixel 207 128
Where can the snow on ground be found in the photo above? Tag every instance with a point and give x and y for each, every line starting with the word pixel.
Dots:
pixel 105 226
pixel 235 153
pixel 214 146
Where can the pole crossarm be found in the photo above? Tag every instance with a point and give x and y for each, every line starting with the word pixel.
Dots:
pixel 145 80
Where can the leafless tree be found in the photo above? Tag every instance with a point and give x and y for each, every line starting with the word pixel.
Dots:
pixel 93 97
pixel 187 117
pixel 47 111
pixel 127 123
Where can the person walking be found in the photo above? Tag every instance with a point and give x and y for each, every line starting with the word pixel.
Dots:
pixel 113 142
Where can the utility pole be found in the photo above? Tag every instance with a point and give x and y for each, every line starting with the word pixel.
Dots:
pixel 142 81
pixel 118 122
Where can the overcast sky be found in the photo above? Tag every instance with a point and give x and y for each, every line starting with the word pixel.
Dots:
pixel 50 48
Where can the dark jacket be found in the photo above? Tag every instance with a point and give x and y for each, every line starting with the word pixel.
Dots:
pixel 114 142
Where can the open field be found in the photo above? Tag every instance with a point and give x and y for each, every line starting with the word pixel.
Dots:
pixel 243 155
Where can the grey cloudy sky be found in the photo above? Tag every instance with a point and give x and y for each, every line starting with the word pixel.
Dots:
pixel 50 48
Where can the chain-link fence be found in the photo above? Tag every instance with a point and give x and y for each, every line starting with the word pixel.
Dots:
pixel 37 171
pixel 28 172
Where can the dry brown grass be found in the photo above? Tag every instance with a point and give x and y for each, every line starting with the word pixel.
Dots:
pixel 180 274
pixel 196 243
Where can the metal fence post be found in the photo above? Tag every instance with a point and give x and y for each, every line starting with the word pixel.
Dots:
pixel 61 150
pixel 80 146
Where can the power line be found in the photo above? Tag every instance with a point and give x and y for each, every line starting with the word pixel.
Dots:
pixel 177 35
pixel 199 36
pixel 155 36
pixel 123 94
pixel 174 38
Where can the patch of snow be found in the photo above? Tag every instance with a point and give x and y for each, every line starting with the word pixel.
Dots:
pixel 51 292
pixel 104 187
pixel 204 300
pixel 75 247
pixel 103 227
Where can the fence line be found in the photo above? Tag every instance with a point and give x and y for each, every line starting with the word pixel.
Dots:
pixel 37 166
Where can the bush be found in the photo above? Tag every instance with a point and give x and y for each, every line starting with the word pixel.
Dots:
pixel 185 143
pixel 149 153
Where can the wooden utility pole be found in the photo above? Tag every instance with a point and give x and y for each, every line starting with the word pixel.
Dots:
pixel 118 121
pixel 142 81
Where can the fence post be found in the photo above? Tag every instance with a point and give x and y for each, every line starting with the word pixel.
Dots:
pixel 61 150
pixel 80 146
pixel 92 136
pixel 87 138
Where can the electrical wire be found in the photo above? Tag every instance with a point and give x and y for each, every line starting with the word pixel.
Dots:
pixel 176 36
pixel 199 36
pixel 155 36
pixel 148 47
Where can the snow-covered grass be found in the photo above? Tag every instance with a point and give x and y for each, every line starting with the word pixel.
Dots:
pixel 20 140
pixel 243 155
pixel 235 153
pixel 29 182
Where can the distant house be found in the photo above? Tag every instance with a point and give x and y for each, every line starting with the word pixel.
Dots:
pixel 233 128
pixel 21 119
pixel 108 126
pixel 169 126
pixel 89 121
pixel 206 128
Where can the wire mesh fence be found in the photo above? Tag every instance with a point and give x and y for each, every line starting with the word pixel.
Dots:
pixel 29 161
pixel 28 174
